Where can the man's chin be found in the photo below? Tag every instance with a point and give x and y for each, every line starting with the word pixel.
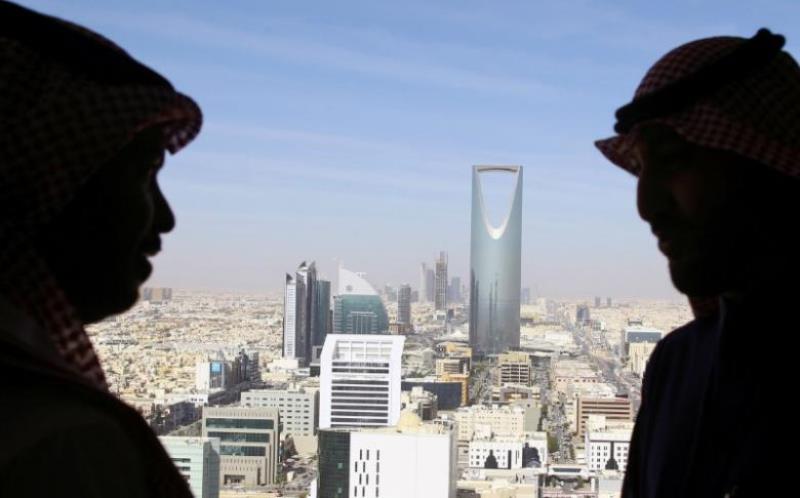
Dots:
pixel 696 278
pixel 111 302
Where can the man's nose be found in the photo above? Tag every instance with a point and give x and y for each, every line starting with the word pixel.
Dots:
pixel 163 217
pixel 652 196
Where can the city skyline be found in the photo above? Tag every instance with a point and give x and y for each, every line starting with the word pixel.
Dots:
pixel 373 114
pixel 401 269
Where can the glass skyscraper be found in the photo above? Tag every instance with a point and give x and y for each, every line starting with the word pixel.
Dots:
pixel 495 261
pixel 322 308
pixel 306 306
pixel 358 309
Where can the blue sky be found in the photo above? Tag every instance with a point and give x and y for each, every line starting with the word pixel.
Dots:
pixel 347 130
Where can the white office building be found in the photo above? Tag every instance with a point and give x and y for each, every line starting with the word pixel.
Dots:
pixel 360 380
pixel 197 459
pixel 249 443
pixel 606 439
pixel 298 407
pixel 412 460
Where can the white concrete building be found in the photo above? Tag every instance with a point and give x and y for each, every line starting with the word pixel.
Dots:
pixel 411 460
pixel 298 407
pixel 498 420
pixel 290 310
pixel 360 380
pixel 197 459
pixel 605 440
pixel 510 452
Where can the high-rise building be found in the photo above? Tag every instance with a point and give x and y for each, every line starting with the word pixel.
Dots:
pixel 526 295
pixel 358 308
pixel 298 407
pixel 598 301
pixel 495 262
pixel 307 276
pixel 249 443
pixel 360 380
pixel 291 307
pixel 389 292
pixel 440 283
pixel 320 324
pixel 404 304
pixel 211 375
pixel 197 459
pixel 423 284
pixel 427 284
pixel 582 316
pixel 454 290
pixel 156 295
pixel 430 285
pixel 303 322
pixel 412 460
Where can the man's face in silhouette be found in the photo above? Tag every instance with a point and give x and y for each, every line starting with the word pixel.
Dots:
pixel 719 218
pixel 98 247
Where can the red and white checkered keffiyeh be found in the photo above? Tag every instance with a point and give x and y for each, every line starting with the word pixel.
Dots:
pixel 59 123
pixel 756 116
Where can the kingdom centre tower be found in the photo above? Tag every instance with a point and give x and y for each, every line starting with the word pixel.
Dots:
pixel 495 261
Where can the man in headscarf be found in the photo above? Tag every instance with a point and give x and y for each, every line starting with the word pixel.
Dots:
pixel 713 135
pixel 83 132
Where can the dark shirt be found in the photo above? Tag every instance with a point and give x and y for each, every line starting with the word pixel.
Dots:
pixel 61 436
pixel 700 428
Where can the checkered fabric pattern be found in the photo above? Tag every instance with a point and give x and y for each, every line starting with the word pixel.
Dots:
pixel 757 116
pixel 58 126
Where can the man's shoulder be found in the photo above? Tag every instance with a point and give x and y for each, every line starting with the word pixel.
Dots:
pixel 686 337
pixel 678 357
pixel 44 413
pixel 86 450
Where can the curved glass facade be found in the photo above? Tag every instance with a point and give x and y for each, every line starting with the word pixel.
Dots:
pixel 495 261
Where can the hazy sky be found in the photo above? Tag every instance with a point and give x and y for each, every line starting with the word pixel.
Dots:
pixel 348 129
